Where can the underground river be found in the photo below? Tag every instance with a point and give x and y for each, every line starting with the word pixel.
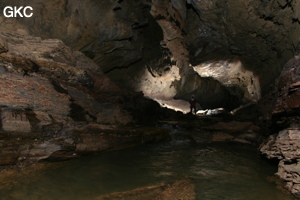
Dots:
pixel 218 171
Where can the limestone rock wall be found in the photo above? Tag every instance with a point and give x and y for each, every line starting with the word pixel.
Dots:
pixel 142 43
pixel 98 29
pixel 283 144
pixel 55 103
pixel 261 33
pixel 58 77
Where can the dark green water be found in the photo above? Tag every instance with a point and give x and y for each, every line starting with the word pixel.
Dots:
pixel 219 172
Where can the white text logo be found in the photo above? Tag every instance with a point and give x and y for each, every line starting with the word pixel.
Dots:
pixel 15 11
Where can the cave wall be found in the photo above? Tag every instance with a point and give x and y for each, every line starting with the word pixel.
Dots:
pixel 225 52
pixel 158 47
pixel 263 34
pixel 57 104
pixel 283 106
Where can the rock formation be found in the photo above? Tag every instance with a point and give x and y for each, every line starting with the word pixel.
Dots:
pixel 64 105
pixel 283 144
pixel 77 71
pixel 152 46
pixel 183 189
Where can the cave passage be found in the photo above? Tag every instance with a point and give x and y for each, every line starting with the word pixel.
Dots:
pixel 91 63
pixel 216 84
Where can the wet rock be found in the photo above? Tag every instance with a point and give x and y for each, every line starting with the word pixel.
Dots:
pixel 32 150
pixel 96 138
pixel 72 142
pixel 232 132
pixel 40 150
pixel 221 137
pixel 183 190
pixel 149 192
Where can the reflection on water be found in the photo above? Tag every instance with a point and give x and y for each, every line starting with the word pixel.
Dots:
pixel 227 172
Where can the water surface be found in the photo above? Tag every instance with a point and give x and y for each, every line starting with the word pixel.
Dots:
pixel 219 172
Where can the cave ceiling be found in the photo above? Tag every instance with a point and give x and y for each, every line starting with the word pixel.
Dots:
pixel 225 52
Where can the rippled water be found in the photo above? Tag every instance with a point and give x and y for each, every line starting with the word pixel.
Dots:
pixel 219 172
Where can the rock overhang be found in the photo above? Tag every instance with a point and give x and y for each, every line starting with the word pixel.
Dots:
pixel 128 44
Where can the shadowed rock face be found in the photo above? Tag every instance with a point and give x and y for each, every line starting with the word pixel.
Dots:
pixel 152 46
pixel 254 30
pixel 284 143
pixel 58 107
